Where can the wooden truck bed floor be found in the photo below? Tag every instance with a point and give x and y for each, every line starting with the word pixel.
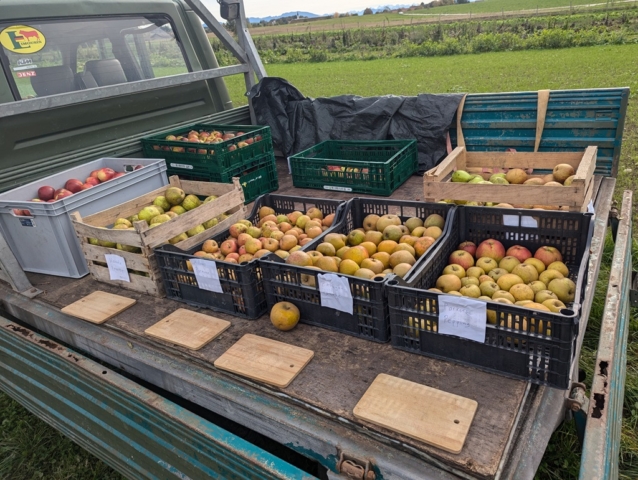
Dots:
pixel 342 368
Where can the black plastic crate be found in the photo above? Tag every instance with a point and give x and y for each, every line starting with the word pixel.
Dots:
pixel 535 345
pixel 370 309
pixel 256 177
pixel 209 158
pixel 242 284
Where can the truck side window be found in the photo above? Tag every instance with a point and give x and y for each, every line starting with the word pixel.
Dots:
pixel 59 56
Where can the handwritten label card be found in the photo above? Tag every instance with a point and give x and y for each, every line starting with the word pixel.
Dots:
pixel 206 275
pixel 463 317
pixel 335 292
pixel 117 267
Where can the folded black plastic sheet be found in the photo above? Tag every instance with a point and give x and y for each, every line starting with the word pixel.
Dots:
pixel 298 122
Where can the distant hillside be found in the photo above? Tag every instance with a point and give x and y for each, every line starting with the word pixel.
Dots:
pixel 283 15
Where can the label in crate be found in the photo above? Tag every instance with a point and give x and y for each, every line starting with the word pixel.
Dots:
pixel 117 267
pixel 27 222
pixel 181 165
pixel 522 221
pixel 462 317
pixel 206 275
pixel 335 292
pixel 338 189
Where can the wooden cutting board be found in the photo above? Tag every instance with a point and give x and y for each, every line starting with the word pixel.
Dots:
pixel 432 416
pixel 265 360
pixel 188 329
pixel 98 307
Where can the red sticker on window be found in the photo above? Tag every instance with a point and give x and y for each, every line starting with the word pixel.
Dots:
pixel 28 73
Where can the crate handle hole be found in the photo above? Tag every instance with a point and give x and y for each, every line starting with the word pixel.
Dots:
pixel 567 312
pixel 391 282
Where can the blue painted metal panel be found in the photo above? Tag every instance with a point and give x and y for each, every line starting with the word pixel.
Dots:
pixel 575 119
pixel 601 446
pixel 137 432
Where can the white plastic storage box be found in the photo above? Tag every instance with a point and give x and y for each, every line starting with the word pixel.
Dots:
pixel 45 241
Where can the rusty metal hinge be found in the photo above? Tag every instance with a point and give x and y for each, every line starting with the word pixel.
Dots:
pixel 577 398
pixel 355 468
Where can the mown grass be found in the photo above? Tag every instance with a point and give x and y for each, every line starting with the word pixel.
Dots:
pixel 487 6
pixel 31 449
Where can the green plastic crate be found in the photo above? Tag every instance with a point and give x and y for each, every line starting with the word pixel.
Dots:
pixel 371 167
pixel 256 178
pixel 209 158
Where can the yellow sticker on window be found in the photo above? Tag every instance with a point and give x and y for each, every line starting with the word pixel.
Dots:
pixel 22 39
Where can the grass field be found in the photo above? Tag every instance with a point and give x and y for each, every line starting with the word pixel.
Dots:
pixel 487 6
pixel 30 449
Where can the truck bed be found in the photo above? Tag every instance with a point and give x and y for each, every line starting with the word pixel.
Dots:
pixel 314 414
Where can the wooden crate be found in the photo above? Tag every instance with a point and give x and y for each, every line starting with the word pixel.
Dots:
pixel 437 184
pixel 143 271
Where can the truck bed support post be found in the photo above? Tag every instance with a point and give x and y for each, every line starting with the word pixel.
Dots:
pixel 11 271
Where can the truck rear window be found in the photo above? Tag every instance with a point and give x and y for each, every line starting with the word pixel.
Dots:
pixel 47 58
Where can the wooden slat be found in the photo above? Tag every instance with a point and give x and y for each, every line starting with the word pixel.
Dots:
pixel 543 99
pixel 587 166
pixel 134 261
pixel 124 237
pixel 239 214
pixel 138 283
pixel 539 160
pixel 207 189
pixel 455 160
pixel 124 210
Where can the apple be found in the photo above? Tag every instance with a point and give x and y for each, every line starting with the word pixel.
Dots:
pixel 105 174
pixel 94 173
pixel 93 181
pixel 462 258
pixel 62 193
pixel 118 175
pixel 46 193
pixel 469 247
pixel 564 288
pixel 137 167
pixel 232 148
pixel 519 252
pixel 73 185
pixel 491 248
pixel 548 255
pixel 86 186
pixel 36 200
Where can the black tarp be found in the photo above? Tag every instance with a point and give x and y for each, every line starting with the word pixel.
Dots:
pixel 298 122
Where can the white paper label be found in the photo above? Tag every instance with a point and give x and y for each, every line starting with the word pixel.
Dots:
pixel 181 165
pixel 335 292
pixel 206 275
pixel 337 189
pixel 523 221
pixel 117 267
pixel 462 317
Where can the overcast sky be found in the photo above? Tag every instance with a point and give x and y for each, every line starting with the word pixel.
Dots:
pixel 268 8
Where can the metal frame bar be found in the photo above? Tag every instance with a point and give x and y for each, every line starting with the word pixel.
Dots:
pixel 12 273
pixel 604 419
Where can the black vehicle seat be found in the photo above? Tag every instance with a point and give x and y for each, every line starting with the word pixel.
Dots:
pixel 53 80
pixel 85 80
pixel 106 72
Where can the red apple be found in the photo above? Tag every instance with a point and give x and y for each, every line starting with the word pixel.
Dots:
pixel 74 185
pixel 519 252
pixel 232 147
pixel 86 186
pixel 17 212
pixel 92 181
pixel 105 174
pixel 94 173
pixel 46 193
pixel 462 258
pixel 257 138
pixel 249 141
pixel 548 255
pixel 469 247
pixel 118 175
pixel 228 136
pixel 137 167
pixel 491 248
pixel 52 200
pixel 62 193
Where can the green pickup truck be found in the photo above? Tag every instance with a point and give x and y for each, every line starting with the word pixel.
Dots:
pixel 87 79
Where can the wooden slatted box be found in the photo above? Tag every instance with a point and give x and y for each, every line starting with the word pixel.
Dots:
pixel 142 267
pixel 437 184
